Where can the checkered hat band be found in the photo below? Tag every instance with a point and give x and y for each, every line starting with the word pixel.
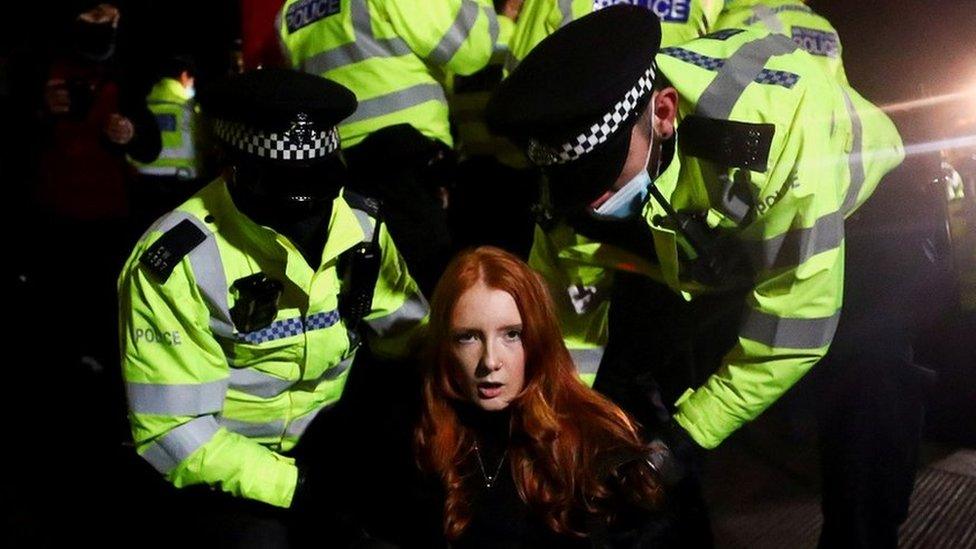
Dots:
pixel 544 155
pixel 277 146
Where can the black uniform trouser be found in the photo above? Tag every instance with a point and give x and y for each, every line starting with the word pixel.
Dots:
pixel 405 170
pixel 869 392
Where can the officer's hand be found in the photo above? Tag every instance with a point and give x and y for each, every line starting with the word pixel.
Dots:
pixel 56 96
pixel 302 500
pixel 675 455
pixel 119 129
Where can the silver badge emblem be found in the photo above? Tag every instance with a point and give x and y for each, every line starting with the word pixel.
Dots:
pixel 540 154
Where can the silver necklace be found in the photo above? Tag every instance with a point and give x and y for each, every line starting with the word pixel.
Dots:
pixel 489 479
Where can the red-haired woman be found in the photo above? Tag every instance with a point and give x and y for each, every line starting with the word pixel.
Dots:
pixel 526 454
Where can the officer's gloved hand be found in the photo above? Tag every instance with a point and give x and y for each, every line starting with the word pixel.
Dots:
pixel 675 455
pixel 316 507
pixel 302 500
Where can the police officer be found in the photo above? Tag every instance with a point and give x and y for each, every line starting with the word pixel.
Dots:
pixel 793 18
pixel 391 54
pixel 242 311
pixel 707 168
pixel 866 485
pixel 681 20
pixel 177 172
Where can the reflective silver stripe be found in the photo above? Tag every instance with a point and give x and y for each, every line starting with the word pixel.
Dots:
pixel 208 270
pixel 855 160
pixel 183 399
pixel 739 71
pixel 260 384
pixel 587 361
pixel 789 333
pixel 493 28
pixel 796 246
pixel 411 312
pixel 297 427
pixel 253 382
pixel 397 101
pixel 337 370
pixel 177 445
pixel 270 429
pixel 158 170
pixel 566 8
pixel 361 23
pixel 364 45
pixel 353 52
pixel 455 36
pixel 365 223
pixel 768 18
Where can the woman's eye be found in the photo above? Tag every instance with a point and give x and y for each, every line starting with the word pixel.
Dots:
pixel 513 335
pixel 464 337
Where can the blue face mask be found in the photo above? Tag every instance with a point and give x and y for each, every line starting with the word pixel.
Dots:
pixel 628 202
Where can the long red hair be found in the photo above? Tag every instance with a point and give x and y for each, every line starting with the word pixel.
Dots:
pixel 558 425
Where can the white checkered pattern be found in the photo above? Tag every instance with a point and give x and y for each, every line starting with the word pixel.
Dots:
pixel 543 155
pixel 287 145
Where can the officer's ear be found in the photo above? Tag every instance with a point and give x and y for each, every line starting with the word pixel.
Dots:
pixel 665 112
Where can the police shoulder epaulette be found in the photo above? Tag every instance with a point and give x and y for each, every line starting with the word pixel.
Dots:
pixel 727 142
pixel 364 203
pixel 166 253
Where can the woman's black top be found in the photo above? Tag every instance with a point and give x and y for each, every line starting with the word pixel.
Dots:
pixel 501 520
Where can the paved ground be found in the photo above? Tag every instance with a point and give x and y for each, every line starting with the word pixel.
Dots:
pixel 763 491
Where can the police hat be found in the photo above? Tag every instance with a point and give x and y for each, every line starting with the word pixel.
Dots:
pixel 278 116
pixel 574 99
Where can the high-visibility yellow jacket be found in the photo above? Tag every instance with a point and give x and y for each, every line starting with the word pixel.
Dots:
pixel 681 20
pixel 792 18
pixel 786 213
pixel 176 115
pixel 468 97
pixel 391 53
pixel 209 404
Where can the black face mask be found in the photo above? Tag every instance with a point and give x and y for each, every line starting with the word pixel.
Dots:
pixel 276 195
pixel 94 41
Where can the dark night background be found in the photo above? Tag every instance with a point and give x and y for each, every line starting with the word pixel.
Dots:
pixel 894 51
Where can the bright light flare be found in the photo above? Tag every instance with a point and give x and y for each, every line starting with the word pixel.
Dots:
pixel 969 93
pixel 962 142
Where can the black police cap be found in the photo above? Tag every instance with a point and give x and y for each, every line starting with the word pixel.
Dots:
pixel 278 115
pixel 574 99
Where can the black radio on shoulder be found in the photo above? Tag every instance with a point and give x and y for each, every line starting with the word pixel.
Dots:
pixel 256 303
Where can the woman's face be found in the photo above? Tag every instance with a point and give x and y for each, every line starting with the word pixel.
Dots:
pixel 486 344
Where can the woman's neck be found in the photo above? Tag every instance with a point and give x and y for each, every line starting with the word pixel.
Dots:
pixel 491 430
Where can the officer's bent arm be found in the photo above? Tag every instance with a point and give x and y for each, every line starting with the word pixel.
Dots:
pixel 176 378
pixel 793 309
